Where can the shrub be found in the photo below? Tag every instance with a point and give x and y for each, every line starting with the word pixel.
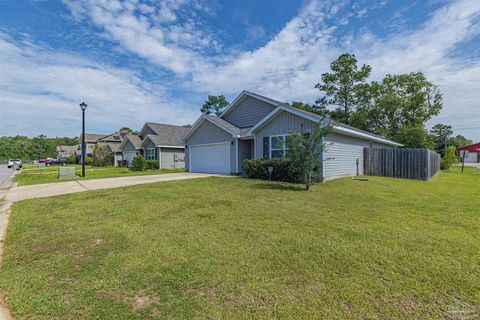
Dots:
pixel 89 161
pixel 72 159
pixel 283 170
pixel 101 157
pixel 151 165
pixel 138 163
pixel 444 164
pixel 449 159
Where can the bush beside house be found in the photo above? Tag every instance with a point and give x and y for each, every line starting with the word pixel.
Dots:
pixel 151 165
pixel 283 170
pixel 139 164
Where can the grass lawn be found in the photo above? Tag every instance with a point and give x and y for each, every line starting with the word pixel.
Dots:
pixel 34 175
pixel 237 248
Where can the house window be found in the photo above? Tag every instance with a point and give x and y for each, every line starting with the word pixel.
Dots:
pixel 279 146
pixel 150 154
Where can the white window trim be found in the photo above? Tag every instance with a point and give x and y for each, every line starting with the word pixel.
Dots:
pixel 285 147
pixel 147 151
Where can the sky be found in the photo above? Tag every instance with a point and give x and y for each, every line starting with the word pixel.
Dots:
pixel 134 61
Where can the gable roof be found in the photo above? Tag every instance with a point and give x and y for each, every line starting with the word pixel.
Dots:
pixel 164 129
pixel 92 137
pixel 244 94
pixel 114 147
pixel 280 107
pixel 164 140
pixel 134 140
pixel 68 148
pixel 219 122
pixel 114 137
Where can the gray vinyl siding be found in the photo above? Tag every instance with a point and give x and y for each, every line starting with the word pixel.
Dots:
pixel 342 153
pixel 249 112
pixel 284 123
pixel 210 133
pixel 129 147
pixel 150 145
pixel 167 158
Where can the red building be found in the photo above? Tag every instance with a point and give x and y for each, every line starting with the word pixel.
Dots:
pixel 473 152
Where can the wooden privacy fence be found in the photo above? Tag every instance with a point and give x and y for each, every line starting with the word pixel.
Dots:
pixel 401 163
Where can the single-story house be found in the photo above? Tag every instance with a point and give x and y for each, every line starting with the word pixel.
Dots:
pixel 166 149
pixel 116 151
pixel 161 142
pixel 130 147
pixel 91 140
pixel 473 155
pixel 254 127
pixel 64 152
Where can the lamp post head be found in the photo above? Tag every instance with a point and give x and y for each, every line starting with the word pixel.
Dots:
pixel 83 106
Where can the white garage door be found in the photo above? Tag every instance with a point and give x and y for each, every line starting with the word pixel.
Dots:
pixel 128 156
pixel 211 158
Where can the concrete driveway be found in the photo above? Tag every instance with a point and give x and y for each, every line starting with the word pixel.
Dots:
pixel 54 189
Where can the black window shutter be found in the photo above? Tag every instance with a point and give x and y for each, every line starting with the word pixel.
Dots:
pixel 266 147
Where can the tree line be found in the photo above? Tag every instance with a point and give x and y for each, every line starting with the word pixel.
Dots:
pixel 27 148
pixel 397 107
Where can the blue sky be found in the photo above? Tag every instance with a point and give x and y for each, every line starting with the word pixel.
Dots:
pixel 134 61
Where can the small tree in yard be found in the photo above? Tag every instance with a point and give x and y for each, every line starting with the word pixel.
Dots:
pixel 305 148
pixel 138 163
pixel 101 157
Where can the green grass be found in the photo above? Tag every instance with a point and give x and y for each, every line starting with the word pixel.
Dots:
pixel 223 248
pixel 33 175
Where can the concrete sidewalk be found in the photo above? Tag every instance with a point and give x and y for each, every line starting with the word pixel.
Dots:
pixel 58 188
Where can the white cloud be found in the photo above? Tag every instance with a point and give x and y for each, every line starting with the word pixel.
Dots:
pixel 172 35
pixel 41 90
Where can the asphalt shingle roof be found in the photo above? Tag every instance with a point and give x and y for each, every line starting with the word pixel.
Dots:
pixel 114 137
pixel 92 137
pixel 134 139
pixel 166 135
pixel 223 123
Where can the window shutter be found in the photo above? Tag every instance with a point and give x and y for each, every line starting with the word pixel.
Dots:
pixel 266 147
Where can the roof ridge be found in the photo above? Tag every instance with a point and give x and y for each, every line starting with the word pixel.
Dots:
pixel 165 124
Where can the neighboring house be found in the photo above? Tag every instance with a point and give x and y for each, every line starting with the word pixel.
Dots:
pixel 64 152
pixel 161 142
pixel 255 127
pixel 473 153
pixel 130 147
pixel 113 142
pixel 91 140
pixel 116 151
pixel 165 149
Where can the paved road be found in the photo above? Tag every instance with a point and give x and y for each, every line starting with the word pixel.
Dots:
pixel 4 173
pixel 54 189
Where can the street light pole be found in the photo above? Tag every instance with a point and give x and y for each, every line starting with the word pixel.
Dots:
pixel 83 106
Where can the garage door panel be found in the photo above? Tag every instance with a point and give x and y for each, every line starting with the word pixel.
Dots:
pixel 212 158
pixel 128 156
